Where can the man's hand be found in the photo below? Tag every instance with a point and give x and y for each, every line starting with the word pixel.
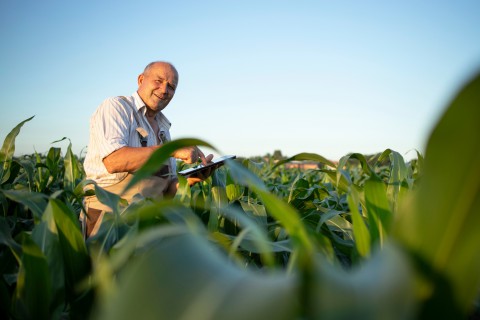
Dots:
pixel 191 155
pixel 191 180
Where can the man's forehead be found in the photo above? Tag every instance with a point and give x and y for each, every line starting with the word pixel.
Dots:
pixel 160 68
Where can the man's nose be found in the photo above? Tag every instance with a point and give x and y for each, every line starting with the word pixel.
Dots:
pixel 164 87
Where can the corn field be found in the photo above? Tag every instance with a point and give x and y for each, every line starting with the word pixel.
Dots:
pixel 364 238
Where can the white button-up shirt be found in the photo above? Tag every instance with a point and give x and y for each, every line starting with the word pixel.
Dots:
pixel 113 126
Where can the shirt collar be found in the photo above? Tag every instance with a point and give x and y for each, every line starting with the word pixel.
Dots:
pixel 138 101
pixel 139 104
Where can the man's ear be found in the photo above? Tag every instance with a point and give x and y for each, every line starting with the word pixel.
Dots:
pixel 140 79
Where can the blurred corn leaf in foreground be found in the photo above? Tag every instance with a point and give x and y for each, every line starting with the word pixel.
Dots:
pixel 441 225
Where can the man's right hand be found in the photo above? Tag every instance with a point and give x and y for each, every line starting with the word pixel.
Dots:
pixel 191 155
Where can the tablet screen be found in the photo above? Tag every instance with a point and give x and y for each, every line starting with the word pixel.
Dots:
pixel 214 163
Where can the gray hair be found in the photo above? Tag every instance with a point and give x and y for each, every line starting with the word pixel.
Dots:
pixel 149 66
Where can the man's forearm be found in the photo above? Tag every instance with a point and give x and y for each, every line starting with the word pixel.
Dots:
pixel 127 159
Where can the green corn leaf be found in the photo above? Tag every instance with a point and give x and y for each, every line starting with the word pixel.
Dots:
pixel 420 162
pixel 358 156
pixel 184 193
pixel 7 240
pixel 243 176
pixel 398 174
pixel 365 166
pixel 306 156
pixel 53 160
pixel 338 179
pixel 234 191
pixel 254 167
pixel 8 147
pixel 378 209
pixel 74 251
pixel 45 236
pixel 342 174
pixel 36 202
pixel 73 173
pixel 256 212
pixel 326 216
pixel 33 290
pixel 151 210
pixel 12 174
pixel 290 219
pixel 7 151
pixel 280 210
pixel 181 277
pixel 380 288
pixel 29 168
pixel 103 277
pixel 441 226
pixel 258 238
pixel 161 155
pixel 219 199
pixel 360 230
pixel 59 140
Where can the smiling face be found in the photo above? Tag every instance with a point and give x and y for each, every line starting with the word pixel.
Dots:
pixel 156 86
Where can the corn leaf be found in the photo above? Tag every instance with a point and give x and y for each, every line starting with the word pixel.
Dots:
pixel 33 290
pixel 306 156
pixel 7 240
pixel 258 235
pixel 219 200
pixel 360 230
pixel 378 209
pixel 398 174
pixel 8 149
pixel 29 168
pixel 442 228
pixel 36 202
pixel 163 283
pixel 161 155
pixel 74 251
pixel 381 288
pixel 234 191
pixel 72 173
pixel 45 236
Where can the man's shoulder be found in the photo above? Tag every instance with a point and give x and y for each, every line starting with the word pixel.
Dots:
pixel 117 102
pixel 128 102
pixel 113 107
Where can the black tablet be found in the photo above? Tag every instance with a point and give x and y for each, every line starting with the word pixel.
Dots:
pixel 213 164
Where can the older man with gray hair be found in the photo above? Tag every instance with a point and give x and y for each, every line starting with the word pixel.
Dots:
pixel 124 132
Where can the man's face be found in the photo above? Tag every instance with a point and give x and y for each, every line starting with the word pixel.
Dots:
pixel 157 86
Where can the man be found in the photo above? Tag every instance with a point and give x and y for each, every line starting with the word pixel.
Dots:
pixel 124 132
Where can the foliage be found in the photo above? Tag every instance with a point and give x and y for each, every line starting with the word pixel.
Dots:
pixel 369 237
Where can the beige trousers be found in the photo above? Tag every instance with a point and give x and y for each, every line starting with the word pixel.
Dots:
pixel 152 187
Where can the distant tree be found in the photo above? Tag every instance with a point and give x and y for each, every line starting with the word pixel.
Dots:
pixel 277 155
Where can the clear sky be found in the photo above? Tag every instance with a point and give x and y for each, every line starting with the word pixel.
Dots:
pixel 327 77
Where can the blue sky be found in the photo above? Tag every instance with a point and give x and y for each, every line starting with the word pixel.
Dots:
pixel 328 77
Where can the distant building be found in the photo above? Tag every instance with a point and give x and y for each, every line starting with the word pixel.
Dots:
pixel 302 165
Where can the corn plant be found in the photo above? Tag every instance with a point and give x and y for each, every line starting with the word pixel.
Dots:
pixel 44 255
